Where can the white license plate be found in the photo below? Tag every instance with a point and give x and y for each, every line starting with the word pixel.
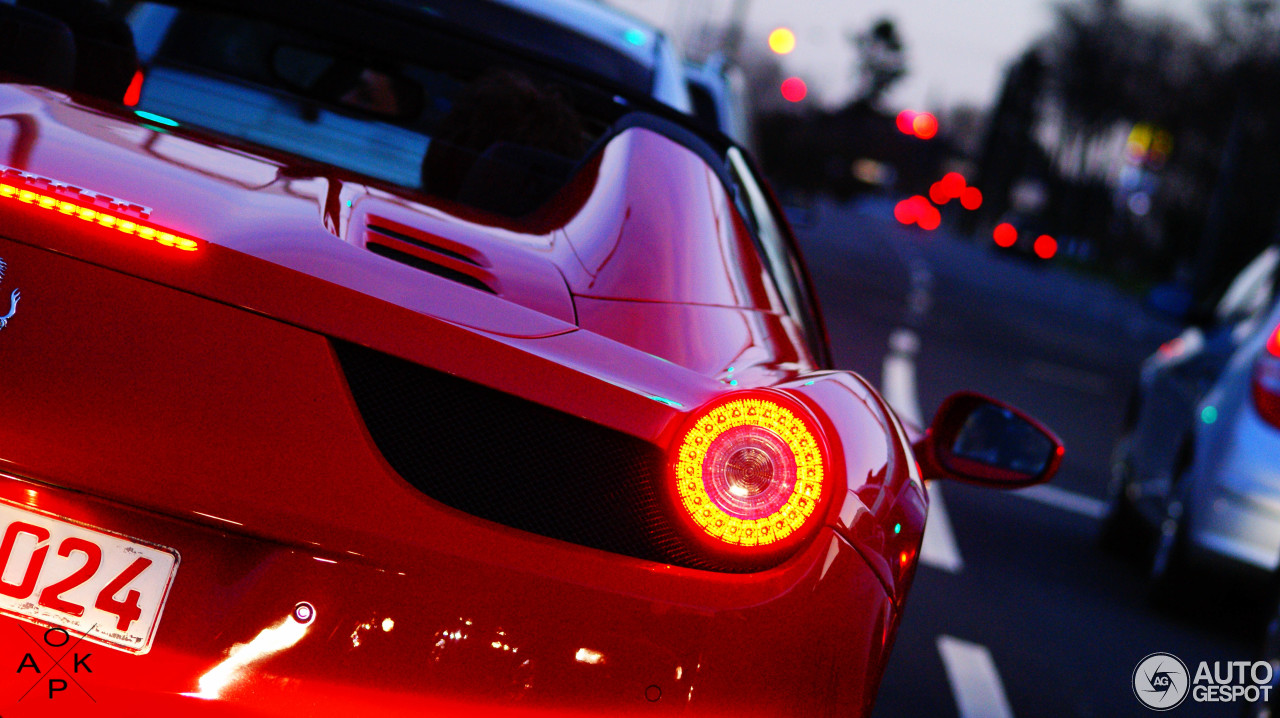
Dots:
pixel 105 588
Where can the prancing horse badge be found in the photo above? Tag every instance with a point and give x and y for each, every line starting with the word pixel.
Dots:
pixel 13 299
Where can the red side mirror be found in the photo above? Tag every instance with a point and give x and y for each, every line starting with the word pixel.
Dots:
pixel 978 439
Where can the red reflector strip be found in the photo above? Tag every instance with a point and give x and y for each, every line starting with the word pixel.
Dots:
pixel 88 214
pixel 134 92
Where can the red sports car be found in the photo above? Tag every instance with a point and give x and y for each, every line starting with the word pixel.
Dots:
pixel 359 360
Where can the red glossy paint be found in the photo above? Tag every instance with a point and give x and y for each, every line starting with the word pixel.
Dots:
pixel 193 400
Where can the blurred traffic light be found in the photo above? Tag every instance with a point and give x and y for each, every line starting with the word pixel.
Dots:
pixel 917 210
pixel 917 124
pixel 953 183
pixel 905 118
pixel 925 126
pixel 954 186
pixel 1045 246
pixel 938 193
pixel 930 218
pixel 782 41
pixel 794 89
pixel 1005 234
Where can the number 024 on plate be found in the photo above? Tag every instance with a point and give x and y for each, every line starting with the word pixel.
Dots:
pixel 107 588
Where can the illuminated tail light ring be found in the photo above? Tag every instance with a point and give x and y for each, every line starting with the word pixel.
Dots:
pixel 749 472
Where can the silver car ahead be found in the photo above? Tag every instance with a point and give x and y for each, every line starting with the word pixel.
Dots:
pixel 1200 462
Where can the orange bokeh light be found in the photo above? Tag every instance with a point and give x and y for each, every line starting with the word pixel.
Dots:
pixel 925 126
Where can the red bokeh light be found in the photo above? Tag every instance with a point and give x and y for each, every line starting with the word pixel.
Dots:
pixel 905 212
pixel 794 89
pixel 930 218
pixel 916 209
pixel 1273 344
pixel 953 184
pixel 1045 246
pixel 919 206
pixel 925 126
pixel 971 198
pixel 938 193
pixel 1005 235
pixel 905 120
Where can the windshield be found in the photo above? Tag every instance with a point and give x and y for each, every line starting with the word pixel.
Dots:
pixel 420 108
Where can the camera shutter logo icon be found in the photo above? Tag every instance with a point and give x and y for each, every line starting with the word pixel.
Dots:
pixel 1161 681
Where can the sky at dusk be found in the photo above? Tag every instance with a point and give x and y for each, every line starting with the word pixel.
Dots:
pixel 957 50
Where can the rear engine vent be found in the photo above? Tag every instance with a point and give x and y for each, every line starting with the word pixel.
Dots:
pixel 429 254
pixel 515 462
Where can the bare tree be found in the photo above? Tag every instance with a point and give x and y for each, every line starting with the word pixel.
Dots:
pixel 882 60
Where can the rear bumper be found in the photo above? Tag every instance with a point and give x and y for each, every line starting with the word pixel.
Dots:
pixel 1228 527
pixel 545 628
pixel 1235 503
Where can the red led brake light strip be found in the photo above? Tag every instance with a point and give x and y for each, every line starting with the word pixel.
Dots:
pixel 131 227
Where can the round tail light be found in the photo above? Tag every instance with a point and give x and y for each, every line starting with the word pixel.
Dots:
pixel 749 472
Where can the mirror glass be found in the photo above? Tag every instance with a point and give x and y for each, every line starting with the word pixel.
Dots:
pixel 997 437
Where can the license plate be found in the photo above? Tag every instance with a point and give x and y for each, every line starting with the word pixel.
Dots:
pixel 106 588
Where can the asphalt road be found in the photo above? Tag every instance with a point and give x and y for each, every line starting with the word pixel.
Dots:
pixel 1015 610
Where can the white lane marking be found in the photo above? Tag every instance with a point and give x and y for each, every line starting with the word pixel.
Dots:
pixel 919 302
pixel 1065 500
pixel 938 548
pixel 898 379
pixel 904 341
pixel 919 299
pixel 975 683
pixel 1066 377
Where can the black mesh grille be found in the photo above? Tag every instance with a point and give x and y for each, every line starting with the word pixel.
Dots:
pixel 508 460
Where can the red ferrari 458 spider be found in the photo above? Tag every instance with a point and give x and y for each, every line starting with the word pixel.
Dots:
pixel 408 357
